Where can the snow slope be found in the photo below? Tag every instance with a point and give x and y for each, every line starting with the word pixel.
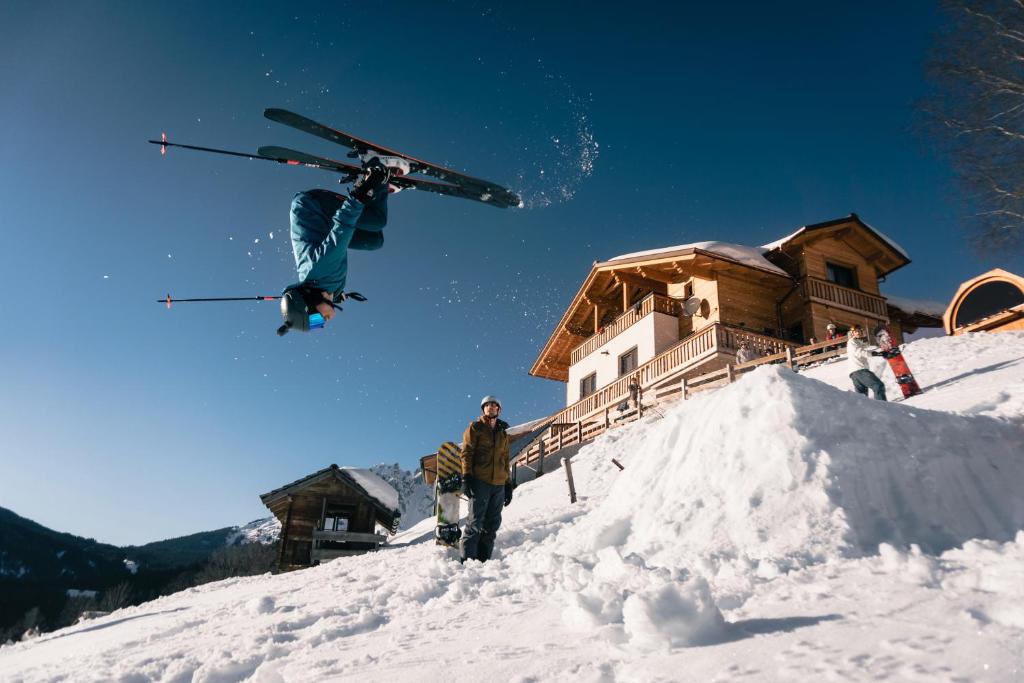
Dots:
pixel 781 528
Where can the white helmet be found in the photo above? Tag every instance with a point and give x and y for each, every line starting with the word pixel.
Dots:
pixel 489 399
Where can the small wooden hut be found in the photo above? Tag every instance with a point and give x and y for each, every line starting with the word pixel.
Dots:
pixel 332 513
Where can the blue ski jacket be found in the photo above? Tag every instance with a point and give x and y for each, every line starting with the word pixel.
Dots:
pixel 324 226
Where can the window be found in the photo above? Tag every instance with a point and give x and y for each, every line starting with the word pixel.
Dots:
pixel 795 332
pixel 336 524
pixel 588 385
pixel 628 361
pixel 987 299
pixel 841 275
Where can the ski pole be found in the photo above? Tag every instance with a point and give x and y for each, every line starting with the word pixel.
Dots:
pixel 164 144
pixel 168 300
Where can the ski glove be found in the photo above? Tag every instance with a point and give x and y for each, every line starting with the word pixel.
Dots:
pixel 508 493
pixel 373 180
pixel 467 486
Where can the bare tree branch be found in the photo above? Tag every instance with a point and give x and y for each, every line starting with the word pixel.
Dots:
pixel 976 115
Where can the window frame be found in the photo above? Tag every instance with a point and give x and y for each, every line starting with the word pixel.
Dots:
pixel 852 270
pixel 583 385
pixel 635 353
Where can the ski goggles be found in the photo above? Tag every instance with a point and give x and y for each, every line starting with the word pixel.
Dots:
pixel 316 321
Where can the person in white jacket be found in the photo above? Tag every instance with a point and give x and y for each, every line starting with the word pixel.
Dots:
pixel 858 359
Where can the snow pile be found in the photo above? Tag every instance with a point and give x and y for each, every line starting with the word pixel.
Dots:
pixel 787 470
pixel 776 529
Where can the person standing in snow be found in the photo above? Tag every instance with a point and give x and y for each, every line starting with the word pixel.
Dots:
pixel 858 358
pixel 883 338
pixel 486 479
pixel 324 226
pixel 745 353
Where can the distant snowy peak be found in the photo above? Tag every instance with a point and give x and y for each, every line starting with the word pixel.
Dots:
pixel 263 531
pixel 415 498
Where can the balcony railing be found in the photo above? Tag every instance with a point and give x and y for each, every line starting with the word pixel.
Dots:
pixel 347 537
pixel 825 292
pixel 689 351
pixel 588 418
pixel 652 303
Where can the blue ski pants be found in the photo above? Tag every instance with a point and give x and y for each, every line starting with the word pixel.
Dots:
pixel 864 380
pixel 316 218
pixel 483 520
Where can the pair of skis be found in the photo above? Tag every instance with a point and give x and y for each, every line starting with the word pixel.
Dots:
pixel 443 180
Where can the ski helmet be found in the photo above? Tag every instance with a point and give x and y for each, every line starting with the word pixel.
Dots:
pixel 489 399
pixel 298 310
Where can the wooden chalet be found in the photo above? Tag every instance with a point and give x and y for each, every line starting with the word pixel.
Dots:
pixel 627 323
pixel 991 302
pixel 332 513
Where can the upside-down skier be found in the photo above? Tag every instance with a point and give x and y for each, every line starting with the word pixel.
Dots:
pixel 324 226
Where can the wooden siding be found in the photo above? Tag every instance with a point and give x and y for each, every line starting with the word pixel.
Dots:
pixel 840 252
pixel 307 505
pixel 750 304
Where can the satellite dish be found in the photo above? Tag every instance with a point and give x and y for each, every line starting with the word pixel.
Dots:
pixel 692 305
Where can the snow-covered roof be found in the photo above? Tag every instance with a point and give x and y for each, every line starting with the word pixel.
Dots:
pixel 933 308
pixel 750 256
pixel 885 238
pixel 371 484
pixel 375 487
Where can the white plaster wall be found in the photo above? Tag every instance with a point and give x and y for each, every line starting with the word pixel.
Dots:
pixel 652 334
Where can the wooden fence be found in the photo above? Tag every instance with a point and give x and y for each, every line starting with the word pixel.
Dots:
pixel 613 406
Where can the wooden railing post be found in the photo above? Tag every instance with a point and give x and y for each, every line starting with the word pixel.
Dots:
pixel 284 535
pixel 567 463
pixel 728 373
pixel 683 383
pixel 789 357
pixel 540 462
pixel 607 418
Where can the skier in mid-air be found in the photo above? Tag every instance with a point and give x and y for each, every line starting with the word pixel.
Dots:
pixel 324 226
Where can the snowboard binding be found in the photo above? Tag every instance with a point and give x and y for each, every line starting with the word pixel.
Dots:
pixel 448 534
pixel 450 484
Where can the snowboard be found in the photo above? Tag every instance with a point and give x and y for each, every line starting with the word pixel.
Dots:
pixel 447 485
pixel 471 188
pixel 898 364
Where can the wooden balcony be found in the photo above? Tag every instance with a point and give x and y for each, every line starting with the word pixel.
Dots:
pixel 652 303
pixel 854 300
pixel 674 361
pixel 587 419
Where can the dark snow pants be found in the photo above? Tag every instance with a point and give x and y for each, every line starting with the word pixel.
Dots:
pixel 864 380
pixel 483 520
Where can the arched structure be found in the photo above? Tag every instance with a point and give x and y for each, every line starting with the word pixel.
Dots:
pixel 993 301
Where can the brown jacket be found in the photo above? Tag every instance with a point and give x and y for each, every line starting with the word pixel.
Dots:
pixel 485 452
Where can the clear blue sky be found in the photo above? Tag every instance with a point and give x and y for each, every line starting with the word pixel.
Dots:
pixel 129 423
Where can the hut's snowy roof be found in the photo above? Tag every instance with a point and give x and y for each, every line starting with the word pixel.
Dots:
pixel 375 487
pixel 933 308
